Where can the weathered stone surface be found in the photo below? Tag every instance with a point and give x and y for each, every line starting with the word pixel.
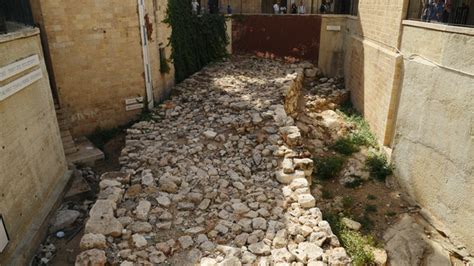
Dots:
pixel 102 220
pixel 351 224
pixel 306 201
pixel 64 219
pixel 405 242
pixel 259 248
pixel 92 257
pixel 91 241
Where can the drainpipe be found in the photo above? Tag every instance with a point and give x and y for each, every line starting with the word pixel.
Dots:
pixel 146 62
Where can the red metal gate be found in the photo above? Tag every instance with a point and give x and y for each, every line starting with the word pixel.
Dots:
pixel 282 35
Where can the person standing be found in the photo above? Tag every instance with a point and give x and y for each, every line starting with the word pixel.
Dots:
pixel 324 8
pixel 294 8
pixel 229 9
pixel 276 8
pixel 301 8
pixel 195 6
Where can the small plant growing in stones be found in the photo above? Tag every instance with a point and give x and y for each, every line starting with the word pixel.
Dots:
pixel 345 146
pixel 378 166
pixel 369 208
pixel 326 194
pixel 390 213
pixel 354 242
pixel 361 135
pixel 371 197
pixel 347 202
pixel 329 167
pixel 354 183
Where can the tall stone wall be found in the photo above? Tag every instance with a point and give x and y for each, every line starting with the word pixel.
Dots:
pixel 32 160
pixel 434 141
pixel 97 60
pixel 371 63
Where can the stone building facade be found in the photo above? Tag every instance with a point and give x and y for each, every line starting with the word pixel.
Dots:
pixel 97 58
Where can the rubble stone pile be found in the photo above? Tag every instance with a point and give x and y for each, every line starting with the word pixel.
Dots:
pixel 218 177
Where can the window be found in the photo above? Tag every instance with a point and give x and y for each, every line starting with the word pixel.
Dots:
pixel 14 11
pixel 450 12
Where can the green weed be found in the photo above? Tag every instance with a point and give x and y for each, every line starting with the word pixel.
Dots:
pixel 361 135
pixel 369 208
pixel 326 194
pixel 354 242
pixel 347 202
pixel 371 197
pixel 378 166
pixel 345 146
pixel 390 213
pixel 328 167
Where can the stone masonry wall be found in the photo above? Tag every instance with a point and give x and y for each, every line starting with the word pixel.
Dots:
pixel 434 140
pixel 32 161
pixel 371 64
pixel 96 55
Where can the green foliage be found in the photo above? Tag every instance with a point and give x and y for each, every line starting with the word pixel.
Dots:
pixel 328 167
pixel 195 40
pixel 369 208
pixel 361 135
pixel 355 183
pixel 390 213
pixel 366 222
pixel 164 66
pixel 347 202
pixel 326 194
pixel 371 197
pixel 378 166
pixel 354 242
pixel 346 146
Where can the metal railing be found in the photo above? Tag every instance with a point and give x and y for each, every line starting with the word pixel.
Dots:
pixel 450 12
pixel 18 11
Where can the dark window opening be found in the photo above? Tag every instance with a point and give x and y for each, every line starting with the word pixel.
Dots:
pixel 16 11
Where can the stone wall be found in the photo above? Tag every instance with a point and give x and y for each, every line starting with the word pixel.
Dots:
pixel 32 162
pixel 371 63
pixel 331 49
pixel 363 49
pixel 434 133
pixel 97 57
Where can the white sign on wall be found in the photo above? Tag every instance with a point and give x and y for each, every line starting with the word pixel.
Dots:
pixel 19 84
pixel 134 106
pixel 333 28
pixel 18 67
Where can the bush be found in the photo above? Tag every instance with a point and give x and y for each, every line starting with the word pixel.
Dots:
pixel 328 167
pixel 378 166
pixel 345 146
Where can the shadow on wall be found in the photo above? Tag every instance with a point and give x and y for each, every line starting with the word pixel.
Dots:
pixel 279 35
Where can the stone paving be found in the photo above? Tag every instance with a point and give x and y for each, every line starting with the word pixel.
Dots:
pixel 218 177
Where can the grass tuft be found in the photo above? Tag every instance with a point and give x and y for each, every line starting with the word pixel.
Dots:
pixel 328 167
pixel 369 208
pixel 361 135
pixel 345 146
pixel 378 166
